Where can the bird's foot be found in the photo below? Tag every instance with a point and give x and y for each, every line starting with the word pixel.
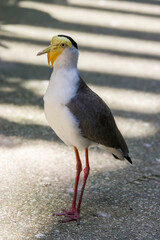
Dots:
pixel 70 218
pixel 72 215
pixel 65 212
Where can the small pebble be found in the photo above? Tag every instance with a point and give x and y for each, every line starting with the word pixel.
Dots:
pixel 70 190
pixel 46 181
pixel 147 145
pixel 158 159
pixel 56 232
pixel 40 236
pixel 103 214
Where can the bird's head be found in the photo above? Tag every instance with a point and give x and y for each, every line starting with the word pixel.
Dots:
pixel 57 46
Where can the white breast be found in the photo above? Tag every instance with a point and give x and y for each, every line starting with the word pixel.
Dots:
pixel 62 88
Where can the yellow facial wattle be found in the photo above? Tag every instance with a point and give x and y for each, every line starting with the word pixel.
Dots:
pixel 58 44
pixel 52 55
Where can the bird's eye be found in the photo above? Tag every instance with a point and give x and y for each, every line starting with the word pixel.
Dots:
pixel 62 45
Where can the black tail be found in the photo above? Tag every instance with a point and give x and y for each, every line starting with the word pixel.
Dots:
pixel 126 157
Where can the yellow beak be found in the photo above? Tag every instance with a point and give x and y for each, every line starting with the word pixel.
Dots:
pixel 46 50
pixel 52 53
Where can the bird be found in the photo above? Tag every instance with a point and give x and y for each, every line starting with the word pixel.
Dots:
pixel 78 116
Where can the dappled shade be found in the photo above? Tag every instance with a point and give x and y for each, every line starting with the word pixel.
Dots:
pixel 119 59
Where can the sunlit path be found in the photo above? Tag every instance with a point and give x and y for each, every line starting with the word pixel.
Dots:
pixel 119 45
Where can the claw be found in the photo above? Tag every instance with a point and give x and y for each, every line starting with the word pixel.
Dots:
pixel 71 215
pixel 71 218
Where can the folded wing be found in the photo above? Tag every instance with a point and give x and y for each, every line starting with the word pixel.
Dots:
pixel 96 120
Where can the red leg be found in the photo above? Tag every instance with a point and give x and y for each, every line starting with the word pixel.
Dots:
pixel 86 173
pixel 78 171
pixel 74 213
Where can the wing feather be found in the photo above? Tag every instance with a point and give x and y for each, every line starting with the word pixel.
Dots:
pixel 95 119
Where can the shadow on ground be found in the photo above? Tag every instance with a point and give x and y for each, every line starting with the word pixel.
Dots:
pixel 129 196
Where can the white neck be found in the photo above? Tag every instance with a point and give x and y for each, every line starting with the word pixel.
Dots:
pixel 64 79
pixel 67 59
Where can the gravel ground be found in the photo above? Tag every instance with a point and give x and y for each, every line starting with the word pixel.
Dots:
pixel 119 58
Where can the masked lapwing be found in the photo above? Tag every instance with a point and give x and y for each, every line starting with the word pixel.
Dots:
pixel 77 114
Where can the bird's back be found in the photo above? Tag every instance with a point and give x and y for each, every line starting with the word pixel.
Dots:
pixel 96 120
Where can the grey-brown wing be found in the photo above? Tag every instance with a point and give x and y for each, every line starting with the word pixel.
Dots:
pixel 95 119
